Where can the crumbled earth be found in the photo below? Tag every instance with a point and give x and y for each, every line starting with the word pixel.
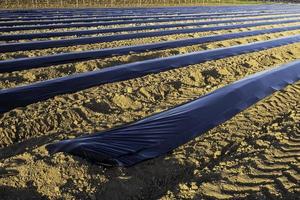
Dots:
pixel 254 155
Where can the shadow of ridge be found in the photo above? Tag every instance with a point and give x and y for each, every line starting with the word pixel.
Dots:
pixel 8 172
pixel 150 179
pixel 11 193
pixel 30 144
pixel 153 179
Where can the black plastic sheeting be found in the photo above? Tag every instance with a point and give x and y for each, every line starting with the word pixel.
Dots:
pixel 97 31
pixel 21 96
pixel 122 16
pixel 139 19
pixel 11 47
pixel 111 14
pixel 94 24
pixel 129 16
pixel 85 14
pixel 144 11
pixel 63 58
pixel 127 12
pixel 106 12
pixel 110 18
pixel 161 133
pixel 103 22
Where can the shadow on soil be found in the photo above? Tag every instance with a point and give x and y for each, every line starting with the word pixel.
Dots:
pixel 11 193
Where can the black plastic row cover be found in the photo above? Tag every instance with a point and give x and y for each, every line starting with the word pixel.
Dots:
pixel 21 96
pixel 12 47
pixel 95 24
pixel 120 16
pixel 158 134
pixel 144 11
pixel 127 12
pixel 96 31
pixel 86 14
pixel 63 58
pixel 106 12
pixel 139 19
pixel 122 12
pixel 103 22
pixel 110 18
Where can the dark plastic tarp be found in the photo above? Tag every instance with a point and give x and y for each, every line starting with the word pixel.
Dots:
pixel 11 47
pixel 94 24
pixel 158 134
pixel 85 14
pixel 110 18
pixel 98 31
pixel 103 22
pixel 140 19
pixel 122 16
pixel 144 11
pixel 124 12
pixel 107 12
pixel 43 61
pixel 21 96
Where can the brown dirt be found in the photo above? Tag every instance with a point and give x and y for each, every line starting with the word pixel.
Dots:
pixel 255 155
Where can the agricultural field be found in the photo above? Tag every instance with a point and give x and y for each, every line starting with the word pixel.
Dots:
pixel 21 4
pixel 126 73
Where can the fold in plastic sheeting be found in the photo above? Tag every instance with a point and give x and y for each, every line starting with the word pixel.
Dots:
pixel 158 134
pixel 94 24
pixel 107 30
pixel 12 47
pixel 63 58
pixel 21 96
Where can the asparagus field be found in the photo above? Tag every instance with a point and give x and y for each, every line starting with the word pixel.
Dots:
pixel 150 103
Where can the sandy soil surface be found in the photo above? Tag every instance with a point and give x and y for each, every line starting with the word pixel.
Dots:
pixel 135 24
pixel 255 155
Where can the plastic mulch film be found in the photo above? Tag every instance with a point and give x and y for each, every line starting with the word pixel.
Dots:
pixel 63 58
pixel 21 96
pixel 158 134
